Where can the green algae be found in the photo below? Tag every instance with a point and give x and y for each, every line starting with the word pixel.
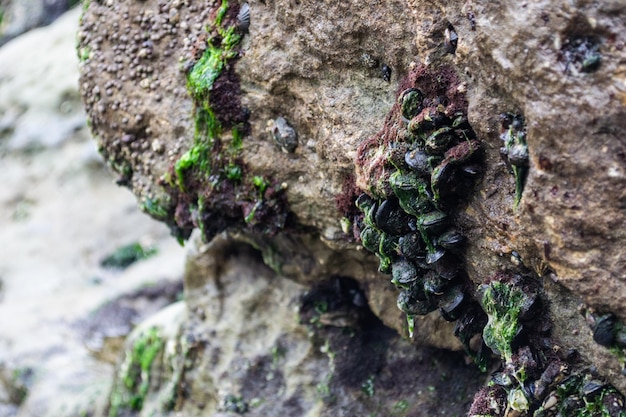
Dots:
pixel 126 255
pixel 200 81
pixel 503 304
pixel 133 379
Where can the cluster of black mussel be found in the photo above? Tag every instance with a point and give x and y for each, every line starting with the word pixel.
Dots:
pixel 411 230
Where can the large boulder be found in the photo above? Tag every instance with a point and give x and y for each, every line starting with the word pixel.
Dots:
pixel 267 121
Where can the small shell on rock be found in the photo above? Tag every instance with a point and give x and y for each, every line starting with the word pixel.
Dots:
pixel 604 331
pixel 243 18
pixel 285 135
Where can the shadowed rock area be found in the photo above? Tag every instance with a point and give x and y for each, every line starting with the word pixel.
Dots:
pixel 268 127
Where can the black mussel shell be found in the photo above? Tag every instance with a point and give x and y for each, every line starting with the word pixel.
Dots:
pixel 420 162
pixel 404 273
pixel 451 307
pixel 412 192
pixel 604 330
pixel 450 240
pixel 412 246
pixel 243 18
pixel 391 218
pixel 446 266
pixel 434 256
pixel 442 179
pixel 439 141
pixel 417 160
pixel 434 284
pixel 460 121
pixel 471 170
pixel 433 222
pixel 592 389
pixel 388 245
pixel 370 239
pixel 472 321
pixel 413 307
pixel 364 202
pixel 411 103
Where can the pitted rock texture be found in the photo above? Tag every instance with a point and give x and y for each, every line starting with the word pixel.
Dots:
pixel 319 65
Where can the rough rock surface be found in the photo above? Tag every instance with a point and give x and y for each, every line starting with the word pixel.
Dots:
pixel 250 341
pixel 322 66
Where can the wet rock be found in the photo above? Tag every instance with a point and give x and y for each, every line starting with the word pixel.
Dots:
pixel 564 78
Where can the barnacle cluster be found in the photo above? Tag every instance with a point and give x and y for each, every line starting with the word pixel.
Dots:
pixel 429 162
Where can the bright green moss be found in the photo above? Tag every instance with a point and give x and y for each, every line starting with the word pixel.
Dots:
pixel 261 184
pixel 200 82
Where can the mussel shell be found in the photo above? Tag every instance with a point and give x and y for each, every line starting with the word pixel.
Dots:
pixel 434 256
pixel 412 246
pixel 368 206
pixel 462 152
pixel 453 303
pixel 411 103
pixel 417 160
pixel 460 121
pixel 370 239
pixel 438 142
pixel 403 273
pixel 433 222
pixel 444 263
pixel 429 119
pixel 434 284
pixel 364 202
pixel 420 162
pixel 604 330
pixel 388 244
pixel 592 389
pixel 243 18
pixel 448 268
pixel 412 192
pixel 451 240
pixel 413 307
pixel 391 218
pixel 442 180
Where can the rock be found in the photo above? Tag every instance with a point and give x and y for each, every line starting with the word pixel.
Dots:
pixel 248 340
pixel 558 215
